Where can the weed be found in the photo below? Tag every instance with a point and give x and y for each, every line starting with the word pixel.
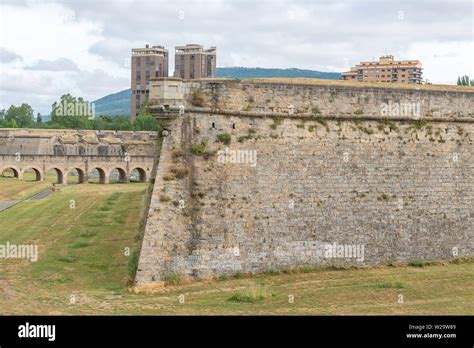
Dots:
pixel 251 295
pixel 198 99
pixel 199 149
pixel 224 138
pixel 165 198
pixel 173 278
pixel 417 263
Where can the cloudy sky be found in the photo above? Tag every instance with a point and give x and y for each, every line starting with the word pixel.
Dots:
pixel 48 48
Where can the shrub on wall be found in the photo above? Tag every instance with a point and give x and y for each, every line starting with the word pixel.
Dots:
pixel 199 149
pixel 198 99
pixel 224 138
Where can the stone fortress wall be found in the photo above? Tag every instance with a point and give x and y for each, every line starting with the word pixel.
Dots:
pixel 320 165
pixel 62 151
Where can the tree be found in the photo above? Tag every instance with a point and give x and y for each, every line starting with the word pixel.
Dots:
pixel 21 115
pixel 39 119
pixel 71 113
pixel 144 120
pixel 465 81
pixel 2 118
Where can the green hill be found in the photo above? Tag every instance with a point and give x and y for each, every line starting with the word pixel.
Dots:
pixel 240 72
pixel 116 104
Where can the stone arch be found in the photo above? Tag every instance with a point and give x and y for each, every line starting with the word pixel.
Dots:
pixel 15 170
pixel 59 174
pixel 37 171
pixel 142 177
pixel 81 175
pixel 103 178
pixel 122 174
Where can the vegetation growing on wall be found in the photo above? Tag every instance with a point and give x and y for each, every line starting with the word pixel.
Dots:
pixel 224 138
pixel 199 149
pixel 198 99
pixel 276 123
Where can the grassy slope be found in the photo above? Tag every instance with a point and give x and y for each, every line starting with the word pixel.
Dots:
pixel 12 188
pixel 82 255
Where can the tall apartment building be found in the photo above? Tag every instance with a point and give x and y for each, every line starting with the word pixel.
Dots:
pixel 194 62
pixel 386 70
pixel 146 63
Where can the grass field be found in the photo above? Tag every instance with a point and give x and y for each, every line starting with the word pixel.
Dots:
pixel 11 188
pixel 83 268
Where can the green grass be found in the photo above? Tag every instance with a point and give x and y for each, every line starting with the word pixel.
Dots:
pixel 12 188
pixel 386 285
pixel 81 253
pixel 417 263
pixel 83 246
pixel 174 278
pixel 251 295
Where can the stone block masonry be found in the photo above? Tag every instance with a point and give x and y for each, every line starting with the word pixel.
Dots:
pixel 64 151
pixel 330 170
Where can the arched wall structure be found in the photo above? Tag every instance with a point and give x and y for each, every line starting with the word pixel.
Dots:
pixel 122 174
pixel 16 172
pixel 59 174
pixel 142 177
pixel 62 170
pixel 103 177
pixel 66 151
pixel 39 174
pixel 80 174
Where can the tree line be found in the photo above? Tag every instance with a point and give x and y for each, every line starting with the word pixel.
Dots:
pixel 75 113
pixel 465 81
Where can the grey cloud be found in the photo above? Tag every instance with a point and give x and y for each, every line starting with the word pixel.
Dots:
pixel 7 56
pixel 98 83
pixel 323 35
pixel 60 64
pixel 115 50
pixel 42 88
pixel 263 31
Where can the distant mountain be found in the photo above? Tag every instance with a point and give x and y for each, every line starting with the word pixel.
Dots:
pixel 118 104
pixel 44 118
pixel 240 72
